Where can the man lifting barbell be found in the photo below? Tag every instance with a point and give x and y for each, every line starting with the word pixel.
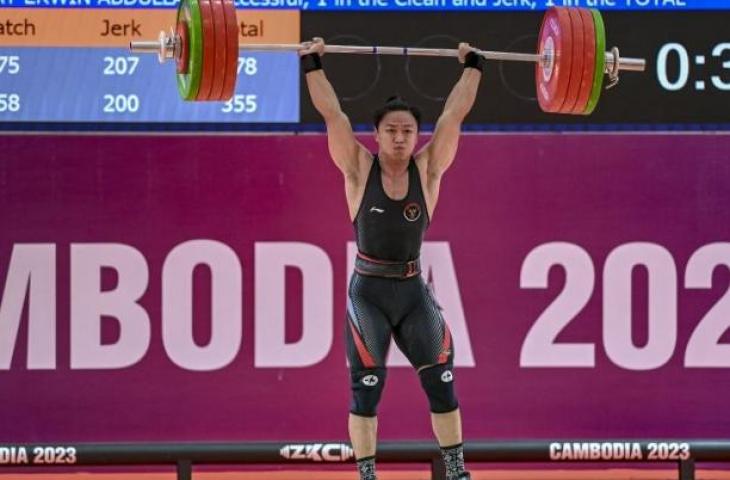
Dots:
pixel 391 197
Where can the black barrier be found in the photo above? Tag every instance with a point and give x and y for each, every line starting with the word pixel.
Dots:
pixel 184 455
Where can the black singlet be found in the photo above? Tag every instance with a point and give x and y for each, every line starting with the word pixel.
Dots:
pixel 390 229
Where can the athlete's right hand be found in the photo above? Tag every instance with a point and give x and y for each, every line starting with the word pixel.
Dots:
pixel 316 45
pixel 464 49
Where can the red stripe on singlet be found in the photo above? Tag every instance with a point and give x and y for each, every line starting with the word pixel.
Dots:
pixel 445 346
pixel 365 357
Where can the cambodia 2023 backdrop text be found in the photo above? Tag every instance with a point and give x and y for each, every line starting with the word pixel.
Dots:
pixel 193 288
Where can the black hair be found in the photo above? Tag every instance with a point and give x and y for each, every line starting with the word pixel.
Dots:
pixel 395 104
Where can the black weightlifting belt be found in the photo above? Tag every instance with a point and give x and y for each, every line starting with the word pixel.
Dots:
pixel 374 267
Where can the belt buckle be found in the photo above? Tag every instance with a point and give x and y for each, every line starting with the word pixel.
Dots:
pixel 411 268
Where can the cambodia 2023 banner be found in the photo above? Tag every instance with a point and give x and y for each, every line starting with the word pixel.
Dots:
pixel 193 288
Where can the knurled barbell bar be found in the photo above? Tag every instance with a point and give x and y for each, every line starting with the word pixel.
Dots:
pixel 570 62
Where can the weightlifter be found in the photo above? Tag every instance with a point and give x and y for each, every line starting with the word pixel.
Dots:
pixel 391 197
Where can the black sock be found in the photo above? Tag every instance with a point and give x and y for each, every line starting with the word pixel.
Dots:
pixel 454 461
pixel 366 467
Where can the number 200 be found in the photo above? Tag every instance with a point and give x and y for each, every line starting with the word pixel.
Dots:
pixel 704 349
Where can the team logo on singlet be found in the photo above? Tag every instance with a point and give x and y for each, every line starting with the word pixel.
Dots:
pixel 370 380
pixel 447 376
pixel 412 212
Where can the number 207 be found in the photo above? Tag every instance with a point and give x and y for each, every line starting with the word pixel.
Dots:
pixel 540 348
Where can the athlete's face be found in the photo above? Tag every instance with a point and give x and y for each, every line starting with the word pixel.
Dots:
pixel 397 134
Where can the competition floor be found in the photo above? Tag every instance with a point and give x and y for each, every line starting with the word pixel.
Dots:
pixel 384 474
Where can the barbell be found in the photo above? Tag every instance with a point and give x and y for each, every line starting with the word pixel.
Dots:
pixel 570 63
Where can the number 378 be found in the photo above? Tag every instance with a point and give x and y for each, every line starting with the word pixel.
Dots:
pixel 704 349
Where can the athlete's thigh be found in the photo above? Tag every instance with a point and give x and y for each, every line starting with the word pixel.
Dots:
pixel 368 331
pixel 423 335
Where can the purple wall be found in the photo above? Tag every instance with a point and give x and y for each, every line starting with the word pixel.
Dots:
pixel 602 203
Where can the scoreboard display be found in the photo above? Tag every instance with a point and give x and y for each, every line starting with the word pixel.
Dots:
pixel 66 63
pixel 72 65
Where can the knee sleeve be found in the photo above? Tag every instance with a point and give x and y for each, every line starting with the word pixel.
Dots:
pixel 367 386
pixel 438 383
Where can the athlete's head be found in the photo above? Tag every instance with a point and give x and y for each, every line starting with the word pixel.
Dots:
pixel 396 127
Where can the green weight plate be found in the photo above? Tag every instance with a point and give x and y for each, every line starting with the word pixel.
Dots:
pixel 189 83
pixel 600 61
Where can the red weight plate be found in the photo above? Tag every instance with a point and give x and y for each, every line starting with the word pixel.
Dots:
pixel 576 65
pixel 219 18
pixel 552 77
pixel 182 60
pixel 229 83
pixel 589 61
pixel 206 79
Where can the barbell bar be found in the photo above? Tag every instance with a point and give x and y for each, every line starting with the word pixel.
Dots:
pixel 633 64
